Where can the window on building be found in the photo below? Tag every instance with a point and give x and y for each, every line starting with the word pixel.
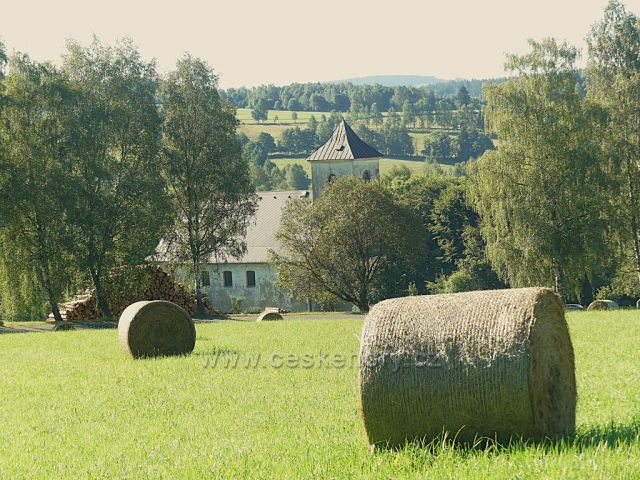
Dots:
pixel 206 281
pixel 228 278
pixel 251 278
pixel 366 176
pixel 331 178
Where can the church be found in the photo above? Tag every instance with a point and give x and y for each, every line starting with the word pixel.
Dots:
pixel 249 282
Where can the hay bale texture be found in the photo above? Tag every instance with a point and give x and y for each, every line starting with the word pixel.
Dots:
pixel 493 364
pixel 156 328
pixel 603 305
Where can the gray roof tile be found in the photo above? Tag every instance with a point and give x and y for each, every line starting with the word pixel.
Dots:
pixel 344 144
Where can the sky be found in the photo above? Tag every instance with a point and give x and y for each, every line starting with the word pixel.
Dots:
pixel 278 42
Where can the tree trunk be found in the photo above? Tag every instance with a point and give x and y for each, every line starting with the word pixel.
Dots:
pixel 103 304
pixel 46 284
pixel 197 280
pixel 363 301
pixel 557 279
pixel 633 219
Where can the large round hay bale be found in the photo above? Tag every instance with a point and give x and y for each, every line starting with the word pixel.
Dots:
pixel 603 305
pixel 495 364
pixel 156 328
pixel 268 316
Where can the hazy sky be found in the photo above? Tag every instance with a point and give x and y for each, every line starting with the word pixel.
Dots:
pixel 283 41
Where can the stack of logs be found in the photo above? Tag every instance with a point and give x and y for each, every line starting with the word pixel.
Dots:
pixel 127 286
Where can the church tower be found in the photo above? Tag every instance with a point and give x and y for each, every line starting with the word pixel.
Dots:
pixel 344 154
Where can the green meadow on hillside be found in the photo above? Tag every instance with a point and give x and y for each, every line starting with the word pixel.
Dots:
pixel 385 164
pixel 74 407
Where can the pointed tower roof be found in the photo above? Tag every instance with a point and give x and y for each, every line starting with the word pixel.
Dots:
pixel 344 144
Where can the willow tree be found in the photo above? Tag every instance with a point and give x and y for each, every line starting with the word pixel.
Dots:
pixel 34 181
pixel 208 179
pixel 613 75
pixel 540 195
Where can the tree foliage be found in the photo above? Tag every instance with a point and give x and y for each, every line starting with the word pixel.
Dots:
pixel 613 75
pixel 208 179
pixel 540 194
pixel 346 243
pixel 34 174
pixel 119 209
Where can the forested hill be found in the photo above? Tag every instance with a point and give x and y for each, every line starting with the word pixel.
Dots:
pixel 349 97
pixel 393 80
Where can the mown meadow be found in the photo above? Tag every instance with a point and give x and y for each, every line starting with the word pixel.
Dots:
pixel 278 400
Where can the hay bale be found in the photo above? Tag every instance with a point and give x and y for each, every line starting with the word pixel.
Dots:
pixel 493 364
pixel 156 328
pixel 603 305
pixel 269 314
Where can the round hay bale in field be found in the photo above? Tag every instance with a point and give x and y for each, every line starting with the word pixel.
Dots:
pixel 269 316
pixel 495 364
pixel 156 328
pixel 63 327
pixel 638 304
pixel 603 305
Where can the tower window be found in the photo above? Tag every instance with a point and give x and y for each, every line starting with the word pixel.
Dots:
pixel 204 276
pixel 227 278
pixel 251 278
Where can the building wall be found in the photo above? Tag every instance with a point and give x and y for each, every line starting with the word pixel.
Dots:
pixel 321 170
pixel 253 299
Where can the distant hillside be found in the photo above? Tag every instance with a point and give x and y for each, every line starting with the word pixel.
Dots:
pixel 392 80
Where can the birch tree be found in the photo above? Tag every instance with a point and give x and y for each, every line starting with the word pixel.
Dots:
pixel 540 196
pixel 208 179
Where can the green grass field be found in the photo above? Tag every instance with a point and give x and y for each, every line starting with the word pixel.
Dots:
pixel 73 407
pixel 385 164
pixel 284 116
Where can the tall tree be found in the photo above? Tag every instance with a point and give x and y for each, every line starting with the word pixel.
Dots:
pixel 346 243
pixel 614 82
pixel 540 194
pixel 34 173
pixel 463 97
pixel 208 179
pixel 119 212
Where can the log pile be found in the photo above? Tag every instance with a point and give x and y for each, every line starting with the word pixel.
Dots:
pixel 129 285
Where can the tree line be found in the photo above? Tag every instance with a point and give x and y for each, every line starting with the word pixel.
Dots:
pixel 100 159
pixel 346 97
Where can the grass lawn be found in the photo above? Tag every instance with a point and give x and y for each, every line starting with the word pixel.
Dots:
pixel 385 164
pixel 73 407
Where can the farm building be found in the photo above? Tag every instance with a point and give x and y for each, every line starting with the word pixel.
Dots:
pixel 251 280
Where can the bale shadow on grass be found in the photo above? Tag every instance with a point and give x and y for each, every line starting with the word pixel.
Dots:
pixel 217 351
pixel 612 435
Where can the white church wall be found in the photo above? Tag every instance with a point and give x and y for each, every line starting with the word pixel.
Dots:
pixel 322 170
pixel 252 298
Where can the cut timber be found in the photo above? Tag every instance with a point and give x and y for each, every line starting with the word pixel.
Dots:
pixel 128 285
